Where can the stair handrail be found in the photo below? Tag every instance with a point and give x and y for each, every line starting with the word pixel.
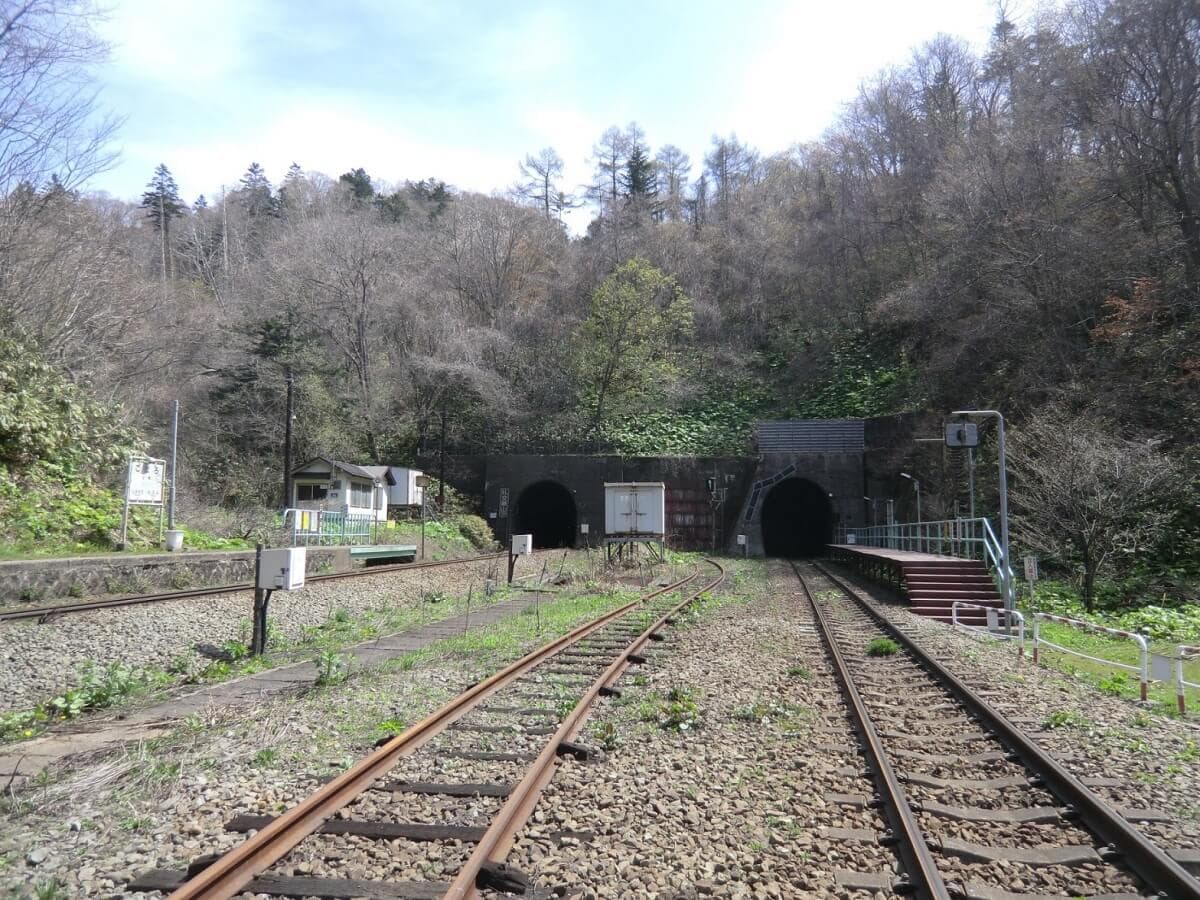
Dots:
pixel 973 538
pixel 998 565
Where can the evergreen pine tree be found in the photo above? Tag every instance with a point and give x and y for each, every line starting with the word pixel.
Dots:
pixel 359 183
pixel 256 192
pixel 161 200
pixel 639 179
pixel 162 204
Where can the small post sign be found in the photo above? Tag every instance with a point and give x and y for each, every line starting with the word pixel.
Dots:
pixel 143 487
pixel 1031 575
pixel 962 434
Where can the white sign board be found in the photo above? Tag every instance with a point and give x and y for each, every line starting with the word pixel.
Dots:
pixel 741 540
pixel 1031 572
pixel 583 527
pixel 144 484
pixel 522 544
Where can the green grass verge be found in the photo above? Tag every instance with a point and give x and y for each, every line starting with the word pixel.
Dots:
pixel 1108 679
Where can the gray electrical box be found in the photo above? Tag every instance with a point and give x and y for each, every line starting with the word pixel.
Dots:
pixel 282 569
pixel 962 434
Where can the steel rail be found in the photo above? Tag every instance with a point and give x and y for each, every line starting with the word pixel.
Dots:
pixel 229 874
pixel 496 842
pixel 914 852
pixel 1145 858
pixel 38 612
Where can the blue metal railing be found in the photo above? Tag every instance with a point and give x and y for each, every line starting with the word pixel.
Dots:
pixel 966 538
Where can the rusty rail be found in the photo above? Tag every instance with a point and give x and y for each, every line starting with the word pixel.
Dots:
pixel 231 873
pixel 493 847
pixel 40 612
pixel 925 880
pixel 1141 855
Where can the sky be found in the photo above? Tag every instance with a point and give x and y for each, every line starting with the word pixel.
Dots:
pixel 462 91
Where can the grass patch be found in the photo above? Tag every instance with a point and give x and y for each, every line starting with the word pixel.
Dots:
pixel 98 687
pixel 1066 718
pixel 882 646
pixel 1107 679
pixel 677 710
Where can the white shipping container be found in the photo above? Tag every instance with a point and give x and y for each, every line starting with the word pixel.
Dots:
pixel 635 508
pixel 402 487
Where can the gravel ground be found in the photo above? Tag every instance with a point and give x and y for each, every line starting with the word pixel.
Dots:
pixel 735 805
pixel 1154 757
pixel 39 660
pixel 94 825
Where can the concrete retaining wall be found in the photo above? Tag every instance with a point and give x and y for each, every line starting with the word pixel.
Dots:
pixel 44 580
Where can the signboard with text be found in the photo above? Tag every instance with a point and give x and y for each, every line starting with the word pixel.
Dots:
pixel 144 482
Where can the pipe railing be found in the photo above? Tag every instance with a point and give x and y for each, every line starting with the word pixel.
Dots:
pixel 1142 668
pixel 967 538
pixel 1183 653
pixel 1012 616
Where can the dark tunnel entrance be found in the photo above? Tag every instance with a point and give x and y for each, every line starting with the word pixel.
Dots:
pixel 797 519
pixel 547 511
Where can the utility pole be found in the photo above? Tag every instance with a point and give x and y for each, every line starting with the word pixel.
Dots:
pixel 1006 574
pixel 971 478
pixel 174 449
pixel 287 439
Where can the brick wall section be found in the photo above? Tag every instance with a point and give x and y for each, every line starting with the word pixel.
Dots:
pixel 44 580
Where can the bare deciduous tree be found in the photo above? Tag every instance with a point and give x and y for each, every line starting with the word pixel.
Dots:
pixel 48 113
pixel 1080 489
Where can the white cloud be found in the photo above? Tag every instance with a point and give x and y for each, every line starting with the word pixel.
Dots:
pixel 329 138
pixel 187 45
pixel 813 57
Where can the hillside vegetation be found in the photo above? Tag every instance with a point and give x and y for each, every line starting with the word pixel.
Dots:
pixel 1017 229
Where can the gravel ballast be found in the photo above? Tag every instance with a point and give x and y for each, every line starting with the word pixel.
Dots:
pixel 42 659
pixel 739 803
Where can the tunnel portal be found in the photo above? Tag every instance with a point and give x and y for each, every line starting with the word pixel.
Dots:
pixel 546 510
pixel 797 519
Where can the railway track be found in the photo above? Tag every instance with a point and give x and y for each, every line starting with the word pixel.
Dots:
pixel 46 613
pixel 501 740
pixel 976 809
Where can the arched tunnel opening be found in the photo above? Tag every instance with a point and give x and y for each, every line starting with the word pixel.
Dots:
pixel 797 519
pixel 546 510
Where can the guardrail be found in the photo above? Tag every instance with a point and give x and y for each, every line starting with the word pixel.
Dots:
pixel 1142 669
pixel 967 538
pixel 1012 614
pixel 1183 653
pixel 323 527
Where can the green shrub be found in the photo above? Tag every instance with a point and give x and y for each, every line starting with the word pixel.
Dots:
pixel 477 531
pixel 882 647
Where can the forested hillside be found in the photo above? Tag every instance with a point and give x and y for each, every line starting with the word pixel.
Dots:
pixel 1017 229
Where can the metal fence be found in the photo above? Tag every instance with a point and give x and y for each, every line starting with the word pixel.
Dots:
pixel 993 628
pixel 1142 669
pixel 965 538
pixel 1182 654
pixel 319 527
